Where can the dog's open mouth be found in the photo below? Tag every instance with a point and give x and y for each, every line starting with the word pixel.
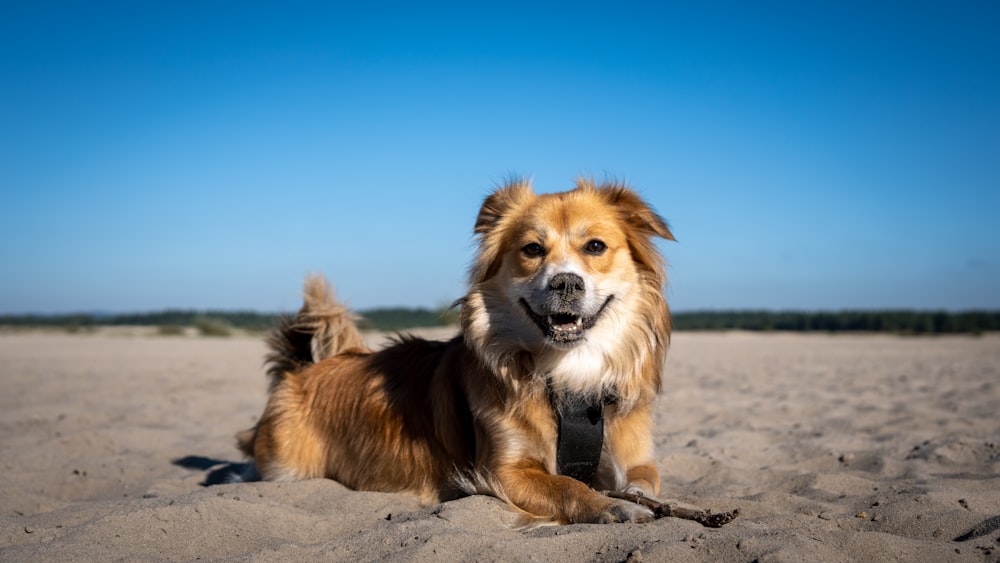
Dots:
pixel 564 327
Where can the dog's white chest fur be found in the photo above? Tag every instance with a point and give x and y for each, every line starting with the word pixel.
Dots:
pixel 580 370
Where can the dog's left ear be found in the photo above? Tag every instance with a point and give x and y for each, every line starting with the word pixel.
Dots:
pixel 643 221
pixel 637 212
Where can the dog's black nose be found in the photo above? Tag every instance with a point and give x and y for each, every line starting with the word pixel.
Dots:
pixel 567 284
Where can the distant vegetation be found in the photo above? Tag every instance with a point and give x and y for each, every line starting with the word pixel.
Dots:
pixel 223 323
pixel 400 318
pixel 898 322
pixel 212 326
pixel 170 322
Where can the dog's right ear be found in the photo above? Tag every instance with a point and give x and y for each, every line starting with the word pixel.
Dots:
pixel 500 203
pixel 496 207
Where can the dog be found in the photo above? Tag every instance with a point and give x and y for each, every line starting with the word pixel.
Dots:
pixel 542 400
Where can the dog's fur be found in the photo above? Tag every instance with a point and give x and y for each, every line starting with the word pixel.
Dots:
pixel 565 299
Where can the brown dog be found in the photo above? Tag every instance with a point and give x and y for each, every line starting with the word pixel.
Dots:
pixel 544 397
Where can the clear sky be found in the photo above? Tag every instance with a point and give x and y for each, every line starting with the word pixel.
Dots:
pixel 808 155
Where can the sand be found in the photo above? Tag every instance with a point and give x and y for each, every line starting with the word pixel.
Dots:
pixel 834 448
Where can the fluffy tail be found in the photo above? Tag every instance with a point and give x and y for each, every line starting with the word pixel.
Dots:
pixel 323 327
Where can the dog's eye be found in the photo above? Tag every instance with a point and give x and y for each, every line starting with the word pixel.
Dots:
pixel 595 247
pixel 532 250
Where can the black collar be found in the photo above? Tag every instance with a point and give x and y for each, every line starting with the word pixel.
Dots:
pixel 581 435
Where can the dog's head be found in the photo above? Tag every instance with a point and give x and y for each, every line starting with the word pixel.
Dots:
pixel 552 267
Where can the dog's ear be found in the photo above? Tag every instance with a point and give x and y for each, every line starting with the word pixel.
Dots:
pixel 644 222
pixel 637 213
pixel 500 203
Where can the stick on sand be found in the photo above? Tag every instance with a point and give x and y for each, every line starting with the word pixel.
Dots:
pixel 662 509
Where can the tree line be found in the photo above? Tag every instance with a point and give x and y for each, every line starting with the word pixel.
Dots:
pixel 402 318
pixel 387 319
pixel 892 321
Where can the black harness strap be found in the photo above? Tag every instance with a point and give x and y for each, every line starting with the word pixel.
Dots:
pixel 581 436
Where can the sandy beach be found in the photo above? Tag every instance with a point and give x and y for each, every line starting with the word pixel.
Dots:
pixel 833 447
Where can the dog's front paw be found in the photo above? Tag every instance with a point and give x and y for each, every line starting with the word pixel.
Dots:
pixel 623 511
pixel 637 490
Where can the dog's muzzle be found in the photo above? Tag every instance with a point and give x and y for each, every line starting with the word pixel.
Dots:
pixel 561 316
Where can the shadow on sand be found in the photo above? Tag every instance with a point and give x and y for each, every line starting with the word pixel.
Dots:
pixel 217 471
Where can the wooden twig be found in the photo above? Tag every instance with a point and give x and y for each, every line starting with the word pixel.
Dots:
pixel 662 509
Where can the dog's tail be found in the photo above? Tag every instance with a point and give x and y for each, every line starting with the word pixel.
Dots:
pixel 324 327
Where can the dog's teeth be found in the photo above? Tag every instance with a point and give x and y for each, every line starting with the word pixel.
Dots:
pixel 575 325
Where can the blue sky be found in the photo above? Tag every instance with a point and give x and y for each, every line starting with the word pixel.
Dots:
pixel 808 155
